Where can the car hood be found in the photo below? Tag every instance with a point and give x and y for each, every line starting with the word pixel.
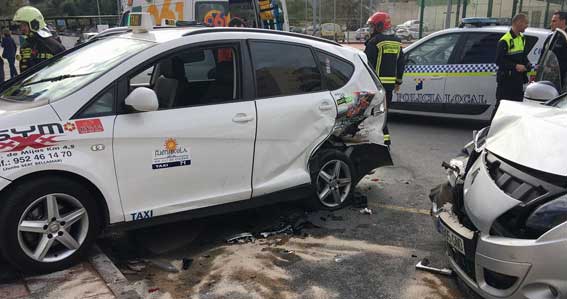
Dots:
pixel 13 114
pixel 529 134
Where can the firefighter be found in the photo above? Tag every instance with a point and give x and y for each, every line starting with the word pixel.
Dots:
pixel 512 61
pixel 385 56
pixel 39 44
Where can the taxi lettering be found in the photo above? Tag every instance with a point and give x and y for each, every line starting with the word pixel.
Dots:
pixel 142 215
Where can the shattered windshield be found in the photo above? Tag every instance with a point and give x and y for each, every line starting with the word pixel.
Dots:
pixel 67 74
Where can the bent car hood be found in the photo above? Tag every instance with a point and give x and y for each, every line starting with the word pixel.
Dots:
pixel 531 135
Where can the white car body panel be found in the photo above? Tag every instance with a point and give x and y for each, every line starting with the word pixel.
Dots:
pixel 460 88
pixel 289 129
pixel 515 123
pixel 211 145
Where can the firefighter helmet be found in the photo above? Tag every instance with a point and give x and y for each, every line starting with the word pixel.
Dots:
pixel 380 20
pixel 31 16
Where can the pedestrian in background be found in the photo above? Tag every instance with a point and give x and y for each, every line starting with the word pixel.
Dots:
pixel 9 53
pixel 512 61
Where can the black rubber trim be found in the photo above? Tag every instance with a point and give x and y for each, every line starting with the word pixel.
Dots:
pixel 267 31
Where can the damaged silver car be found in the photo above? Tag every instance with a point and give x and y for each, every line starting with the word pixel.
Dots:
pixel 504 207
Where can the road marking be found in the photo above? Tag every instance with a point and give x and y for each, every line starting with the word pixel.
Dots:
pixel 404 209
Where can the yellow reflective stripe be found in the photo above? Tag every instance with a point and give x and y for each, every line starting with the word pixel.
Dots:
pixel 471 74
pixel 387 80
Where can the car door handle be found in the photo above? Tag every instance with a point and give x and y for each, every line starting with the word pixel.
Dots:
pixel 242 118
pixel 326 106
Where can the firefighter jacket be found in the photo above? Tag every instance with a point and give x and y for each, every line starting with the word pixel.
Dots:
pixel 36 49
pixel 385 56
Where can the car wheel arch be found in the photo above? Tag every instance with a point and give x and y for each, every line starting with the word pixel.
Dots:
pixel 97 193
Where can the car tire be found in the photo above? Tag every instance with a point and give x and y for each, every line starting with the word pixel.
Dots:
pixel 332 179
pixel 47 224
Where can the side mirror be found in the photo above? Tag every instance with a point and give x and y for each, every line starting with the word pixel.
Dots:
pixel 142 99
pixel 540 92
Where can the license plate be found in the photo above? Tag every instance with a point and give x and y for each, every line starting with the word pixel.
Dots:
pixel 455 241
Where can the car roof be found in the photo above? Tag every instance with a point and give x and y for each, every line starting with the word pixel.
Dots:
pixel 502 29
pixel 166 34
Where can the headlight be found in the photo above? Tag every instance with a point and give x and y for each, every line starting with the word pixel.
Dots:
pixel 548 215
pixel 479 138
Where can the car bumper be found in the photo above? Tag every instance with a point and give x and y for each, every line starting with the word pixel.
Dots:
pixel 498 267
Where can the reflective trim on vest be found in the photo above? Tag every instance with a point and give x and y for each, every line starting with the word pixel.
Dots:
pixel 515 45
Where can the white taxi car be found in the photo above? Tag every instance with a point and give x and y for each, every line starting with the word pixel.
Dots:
pixel 452 73
pixel 228 118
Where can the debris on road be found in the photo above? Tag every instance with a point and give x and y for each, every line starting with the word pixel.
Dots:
pixel 366 211
pixel 359 200
pixel 241 238
pixel 136 267
pixel 163 265
pixel 284 230
pixel 153 290
pixel 375 180
pixel 186 263
pixel 339 259
pixel 424 265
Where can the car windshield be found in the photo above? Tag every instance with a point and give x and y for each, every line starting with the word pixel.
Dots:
pixel 66 74
pixel 328 27
pixel 553 66
pixel 559 102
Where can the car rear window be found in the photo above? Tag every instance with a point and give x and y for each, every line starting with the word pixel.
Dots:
pixel 336 72
pixel 292 71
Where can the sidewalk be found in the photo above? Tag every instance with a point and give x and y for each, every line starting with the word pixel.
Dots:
pixel 96 278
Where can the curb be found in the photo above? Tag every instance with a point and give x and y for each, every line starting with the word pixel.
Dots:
pixel 114 279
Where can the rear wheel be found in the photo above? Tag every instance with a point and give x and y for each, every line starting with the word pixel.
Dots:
pixel 332 177
pixel 47 224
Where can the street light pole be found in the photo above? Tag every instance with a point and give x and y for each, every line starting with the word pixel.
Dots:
pixel 360 20
pixel 98 9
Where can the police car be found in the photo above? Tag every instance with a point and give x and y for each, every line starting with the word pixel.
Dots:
pixel 228 118
pixel 452 73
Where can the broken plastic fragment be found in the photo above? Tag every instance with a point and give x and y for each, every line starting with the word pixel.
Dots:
pixel 366 211
pixel 423 265
pixel 241 238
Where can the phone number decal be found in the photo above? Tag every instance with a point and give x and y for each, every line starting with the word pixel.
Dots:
pixel 35 157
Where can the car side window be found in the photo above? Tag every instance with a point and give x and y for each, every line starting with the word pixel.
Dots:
pixel 102 105
pixel 192 77
pixel 292 70
pixel 435 51
pixel 336 72
pixel 479 48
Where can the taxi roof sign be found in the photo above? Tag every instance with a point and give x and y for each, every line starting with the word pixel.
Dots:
pixel 168 23
pixel 140 22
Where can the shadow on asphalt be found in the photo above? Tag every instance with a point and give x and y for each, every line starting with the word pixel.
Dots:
pixel 437 122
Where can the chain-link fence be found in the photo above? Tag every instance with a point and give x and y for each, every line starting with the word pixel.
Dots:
pixel 438 14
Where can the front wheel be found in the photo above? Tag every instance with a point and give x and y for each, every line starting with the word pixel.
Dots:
pixel 332 177
pixel 47 224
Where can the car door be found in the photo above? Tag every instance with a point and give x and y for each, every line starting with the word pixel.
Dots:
pixel 427 63
pixel 196 150
pixel 471 81
pixel 295 114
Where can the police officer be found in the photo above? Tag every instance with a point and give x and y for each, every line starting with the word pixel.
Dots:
pixel 385 56
pixel 512 61
pixel 39 44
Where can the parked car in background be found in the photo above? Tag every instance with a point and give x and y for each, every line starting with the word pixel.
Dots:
pixel 407 34
pixel 362 33
pixel 333 32
pixel 413 25
pixel 451 73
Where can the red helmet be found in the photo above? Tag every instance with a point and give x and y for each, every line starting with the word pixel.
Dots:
pixel 380 20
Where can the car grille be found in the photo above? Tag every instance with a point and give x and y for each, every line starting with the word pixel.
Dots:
pixel 465 263
pixel 521 183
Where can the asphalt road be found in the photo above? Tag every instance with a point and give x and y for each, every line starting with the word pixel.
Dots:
pixel 340 254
